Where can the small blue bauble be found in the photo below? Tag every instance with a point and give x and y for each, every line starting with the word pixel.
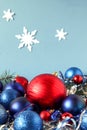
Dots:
pixel 3 115
pixel 19 104
pixel 56 115
pixel 83 125
pixel 28 120
pixel 73 104
pixel 71 72
pixel 7 96
pixel 16 86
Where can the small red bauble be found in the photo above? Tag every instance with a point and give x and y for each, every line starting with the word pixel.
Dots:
pixel 78 79
pixel 66 114
pixel 22 80
pixel 46 90
pixel 45 115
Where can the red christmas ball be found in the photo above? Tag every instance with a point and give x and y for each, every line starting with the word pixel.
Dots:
pixel 22 80
pixel 46 90
pixel 45 115
pixel 78 79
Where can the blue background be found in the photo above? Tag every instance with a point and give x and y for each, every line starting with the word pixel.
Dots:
pixel 50 54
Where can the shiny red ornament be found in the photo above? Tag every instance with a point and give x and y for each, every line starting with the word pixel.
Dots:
pixel 45 115
pixel 46 90
pixel 66 114
pixel 78 79
pixel 22 80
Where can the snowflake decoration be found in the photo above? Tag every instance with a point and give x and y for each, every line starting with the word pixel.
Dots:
pixel 8 15
pixel 61 34
pixel 27 39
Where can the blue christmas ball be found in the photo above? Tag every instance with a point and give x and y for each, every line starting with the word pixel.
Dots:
pixel 28 120
pixel 16 86
pixel 7 96
pixel 73 104
pixel 83 125
pixel 19 104
pixel 3 115
pixel 71 72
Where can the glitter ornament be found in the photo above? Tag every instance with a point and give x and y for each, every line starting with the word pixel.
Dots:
pixel 3 115
pixel 45 115
pixel 7 96
pixel 22 80
pixel 46 90
pixel 28 120
pixel 71 72
pixel 16 86
pixel 73 104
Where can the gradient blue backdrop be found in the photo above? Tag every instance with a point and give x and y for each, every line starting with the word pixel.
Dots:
pixel 49 55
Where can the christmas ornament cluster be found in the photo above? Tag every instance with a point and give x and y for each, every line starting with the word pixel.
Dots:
pixel 48 102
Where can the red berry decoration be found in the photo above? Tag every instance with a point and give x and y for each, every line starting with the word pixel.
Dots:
pixel 46 90
pixel 78 79
pixel 45 115
pixel 22 80
pixel 66 114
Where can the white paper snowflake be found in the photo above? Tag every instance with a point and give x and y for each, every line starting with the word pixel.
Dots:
pixel 61 34
pixel 8 15
pixel 27 39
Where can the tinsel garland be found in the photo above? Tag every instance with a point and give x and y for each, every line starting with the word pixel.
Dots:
pixel 72 88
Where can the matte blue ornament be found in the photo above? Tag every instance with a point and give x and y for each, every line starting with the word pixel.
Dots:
pixel 16 86
pixel 71 72
pixel 28 120
pixel 3 115
pixel 83 125
pixel 7 96
pixel 19 104
pixel 73 104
